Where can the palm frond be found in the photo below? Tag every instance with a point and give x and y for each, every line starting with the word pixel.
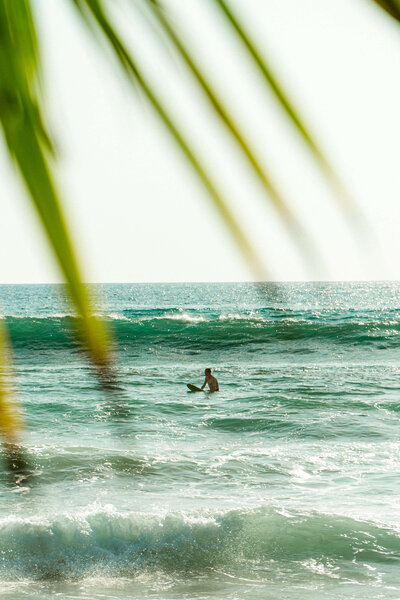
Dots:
pixel 343 197
pixel 28 144
pixel 391 6
pixel 11 421
pixel 273 194
pixel 93 12
pixel 11 418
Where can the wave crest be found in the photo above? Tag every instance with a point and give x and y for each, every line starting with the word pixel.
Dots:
pixel 114 544
pixel 198 332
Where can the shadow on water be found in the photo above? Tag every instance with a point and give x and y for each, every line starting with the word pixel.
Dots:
pixel 116 405
pixel 17 470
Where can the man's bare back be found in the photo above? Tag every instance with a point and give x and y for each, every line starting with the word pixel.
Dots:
pixel 212 381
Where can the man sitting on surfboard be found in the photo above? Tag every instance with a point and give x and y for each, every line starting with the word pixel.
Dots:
pixel 211 380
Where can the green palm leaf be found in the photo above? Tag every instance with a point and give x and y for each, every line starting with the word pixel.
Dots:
pixel 28 144
pixel 93 13
pixel 273 194
pixel 292 113
pixel 391 6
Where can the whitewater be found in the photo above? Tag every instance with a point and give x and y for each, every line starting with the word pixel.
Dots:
pixel 284 485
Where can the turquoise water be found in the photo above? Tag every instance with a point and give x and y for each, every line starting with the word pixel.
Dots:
pixel 285 485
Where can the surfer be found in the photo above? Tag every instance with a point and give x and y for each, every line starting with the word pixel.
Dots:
pixel 211 380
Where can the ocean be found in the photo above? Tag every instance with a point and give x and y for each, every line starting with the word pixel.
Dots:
pixel 284 485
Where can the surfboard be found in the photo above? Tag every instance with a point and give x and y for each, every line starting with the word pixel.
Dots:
pixel 193 388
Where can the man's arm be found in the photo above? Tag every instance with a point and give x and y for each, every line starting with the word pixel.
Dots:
pixel 204 384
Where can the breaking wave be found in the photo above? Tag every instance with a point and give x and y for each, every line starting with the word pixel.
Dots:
pixel 116 544
pixel 184 330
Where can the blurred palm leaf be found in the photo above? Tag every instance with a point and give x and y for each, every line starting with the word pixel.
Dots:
pixel 273 194
pixel 28 144
pixel 93 13
pixel 11 419
pixel 391 6
pixel 11 422
pixel 291 112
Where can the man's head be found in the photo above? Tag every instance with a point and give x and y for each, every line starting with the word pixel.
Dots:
pixel 207 372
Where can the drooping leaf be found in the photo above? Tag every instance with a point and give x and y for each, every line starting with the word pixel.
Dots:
pixel 93 13
pixel 391 6
pixel 28 143
pixel 11 420
pixel 293 114
pixel 274 195
pixel 11 417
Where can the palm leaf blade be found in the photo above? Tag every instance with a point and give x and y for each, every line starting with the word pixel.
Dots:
pixel 273 193
pixel 11 422
pixel 27 143
pixel 292 113
pixel 390 6
pixel 134 74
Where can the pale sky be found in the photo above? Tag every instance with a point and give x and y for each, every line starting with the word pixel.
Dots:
pixel 137 211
